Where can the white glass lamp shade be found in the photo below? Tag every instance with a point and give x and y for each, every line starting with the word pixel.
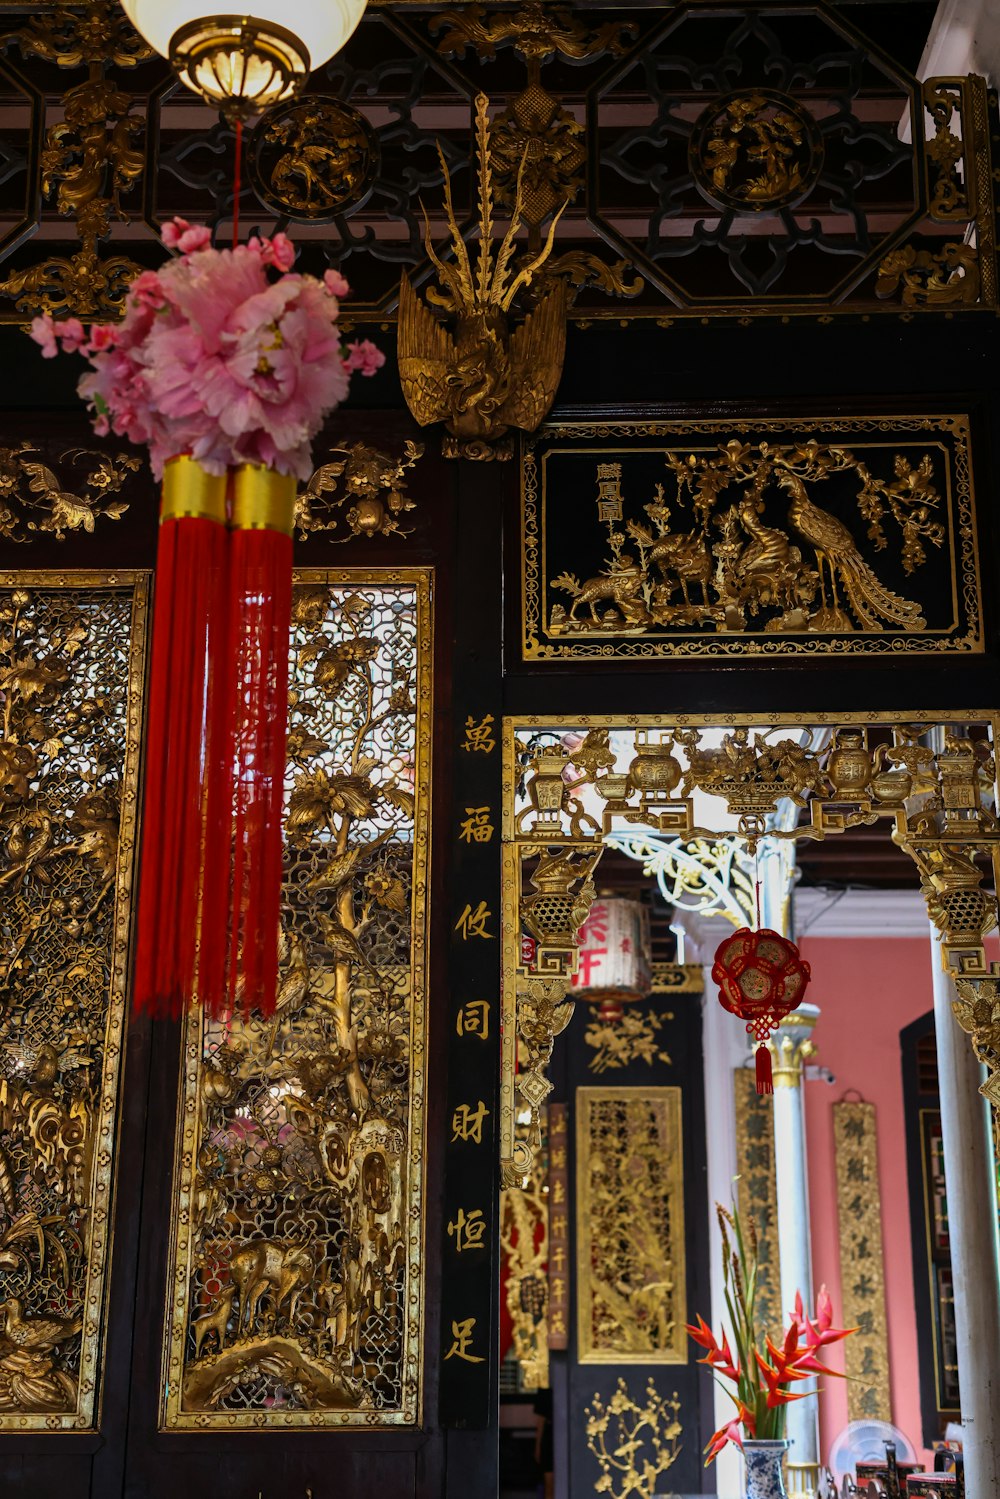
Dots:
pixel 247 60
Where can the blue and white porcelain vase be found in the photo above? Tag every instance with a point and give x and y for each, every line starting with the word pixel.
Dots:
pixel 765 1479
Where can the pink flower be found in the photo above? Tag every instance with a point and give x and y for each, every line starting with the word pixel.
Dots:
pixel 336 285
pixel 43 331
pixel 218 358
pixel 178 234
pixel 364 357
pixel 102 336
pixel 279 252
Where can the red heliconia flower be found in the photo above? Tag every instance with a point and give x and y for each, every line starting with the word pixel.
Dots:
pixel 778 1377
pixel 719 1358
pixel 731 1432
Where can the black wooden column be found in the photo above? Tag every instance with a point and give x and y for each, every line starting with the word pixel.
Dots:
pixel 470 1223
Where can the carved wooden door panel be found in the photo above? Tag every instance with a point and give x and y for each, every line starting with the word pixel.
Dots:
pixel 219 1255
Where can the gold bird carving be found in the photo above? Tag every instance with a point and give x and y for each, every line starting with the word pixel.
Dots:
pixel 872 603
pixel 482 378
pixel 36 1334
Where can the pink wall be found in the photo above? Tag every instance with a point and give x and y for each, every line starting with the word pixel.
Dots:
pixel 867 989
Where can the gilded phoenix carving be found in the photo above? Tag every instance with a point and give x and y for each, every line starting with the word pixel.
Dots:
pixel 297 1258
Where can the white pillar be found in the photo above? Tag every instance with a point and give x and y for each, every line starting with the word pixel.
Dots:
pixel 791 1047
pixel 970 1180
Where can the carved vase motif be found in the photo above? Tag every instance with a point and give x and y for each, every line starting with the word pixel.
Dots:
pixel 653 769
pixel 850 766
pixel 765 1479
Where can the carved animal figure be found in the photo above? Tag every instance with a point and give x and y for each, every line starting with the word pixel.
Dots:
pixel 264 1265
pixel 686 556
pixel 217 1320
pixel 35 1334
pixel 622 587
pixel 837 551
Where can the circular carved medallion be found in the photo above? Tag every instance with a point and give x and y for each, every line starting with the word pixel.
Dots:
pixel 755 150
pixel 313 158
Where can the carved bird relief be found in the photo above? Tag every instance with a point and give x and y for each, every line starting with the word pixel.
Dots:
pixel 482 378
pixel 837 554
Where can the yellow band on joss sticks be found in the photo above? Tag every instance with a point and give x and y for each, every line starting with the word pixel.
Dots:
pixel 263 500
pixel 189 491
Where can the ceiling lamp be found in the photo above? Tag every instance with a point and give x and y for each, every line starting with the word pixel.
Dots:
pixel 244 63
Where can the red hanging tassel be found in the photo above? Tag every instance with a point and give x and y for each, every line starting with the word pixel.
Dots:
pixel 189 592
pixel 765 1077
pixel 260 602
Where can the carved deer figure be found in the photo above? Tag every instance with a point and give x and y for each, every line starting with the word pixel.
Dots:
pixel 687 556
pixel 262 1265
pixel 217 1320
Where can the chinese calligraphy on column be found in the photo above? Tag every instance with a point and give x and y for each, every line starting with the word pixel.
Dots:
pixel 862 1266
pixel 757 1193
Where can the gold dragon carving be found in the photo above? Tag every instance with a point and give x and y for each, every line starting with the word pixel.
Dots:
pixel 89 159
pixel 735 567
pixel 297 1237
pixel 70 686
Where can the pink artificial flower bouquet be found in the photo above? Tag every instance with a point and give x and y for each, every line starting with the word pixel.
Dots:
pixel 218 358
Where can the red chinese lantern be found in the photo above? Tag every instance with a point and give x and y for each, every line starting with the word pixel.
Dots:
pixel 615 961
pixel 761 978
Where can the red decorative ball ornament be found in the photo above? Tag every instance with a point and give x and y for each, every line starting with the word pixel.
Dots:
pixel 761 978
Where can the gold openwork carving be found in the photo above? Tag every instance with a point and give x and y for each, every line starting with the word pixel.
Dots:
pixel 297 1275
pixel 312 158
pixel 930 778
pixel 71 676
pixel 756 150
pixel 524 1244
pixel 89 159
pixel 634 1038
pixel 631 1276
pixel 862 1264
pixel 633 1444
pixel 857 536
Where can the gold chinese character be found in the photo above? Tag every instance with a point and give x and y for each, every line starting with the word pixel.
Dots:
pixel 477 827
pixel 474 1019
pixel 467 1124
pixel 557 1323
pixel 559 1226
pixel 468 1230
pixel 472 923
pixel 558 1260
pixel 559 1123
pixel 462 1333
pixel 558 1192
pixel 559 1158
pixel 479 736
pixel 558 1288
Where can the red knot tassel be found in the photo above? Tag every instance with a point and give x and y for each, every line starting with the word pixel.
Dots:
pixel 260 603
pixel 765 1077
pixel 187 613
